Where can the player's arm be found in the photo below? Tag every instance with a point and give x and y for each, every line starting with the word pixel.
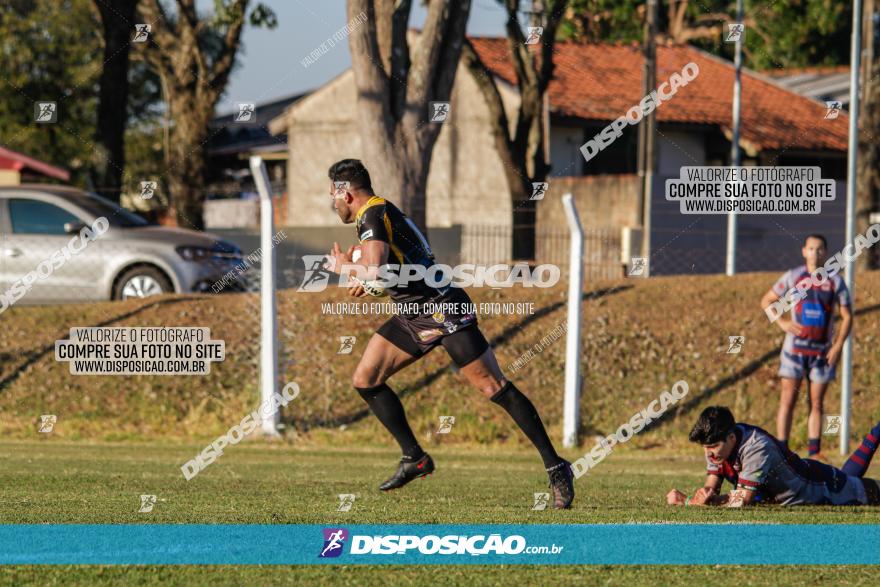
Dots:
pixel 706 495
pixel 374 253
pixel 784 322
pixel 709 494
pixel 846 319
pixel 375 248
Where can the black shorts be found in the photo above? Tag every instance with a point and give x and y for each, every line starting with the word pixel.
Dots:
pixel 418 335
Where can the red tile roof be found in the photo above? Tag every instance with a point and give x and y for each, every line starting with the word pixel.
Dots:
pixel 602 81
pixel 10 159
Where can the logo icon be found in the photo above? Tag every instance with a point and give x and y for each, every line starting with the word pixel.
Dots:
pixel 346 345
pixel 831 425
pixel 334 540
pixel 141 33
pixel 534 35
pixel 735 344
pixel 316 277
pixel 246 112
pixel 637 266
pixel 346 500
pixel 45 112
pixel 425 335
pixel 148 188
pixel 147 503
pixel 737 498
pixel 541 501
pixel 735 32
pixel 832 109
pixel 47 423
pixel 539 188
pixel 340 187
pixel 446 423
pixel 439 111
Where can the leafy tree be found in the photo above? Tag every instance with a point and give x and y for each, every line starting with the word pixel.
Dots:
pixel 795 33
pixel 47 51
pixel 193 57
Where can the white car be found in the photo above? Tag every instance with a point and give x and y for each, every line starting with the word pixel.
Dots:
pixel 133 258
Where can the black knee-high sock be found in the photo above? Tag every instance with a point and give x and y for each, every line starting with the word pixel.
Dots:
pixel 387 407
pixel 523 412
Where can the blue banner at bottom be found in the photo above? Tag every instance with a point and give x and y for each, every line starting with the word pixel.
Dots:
pixel 587 544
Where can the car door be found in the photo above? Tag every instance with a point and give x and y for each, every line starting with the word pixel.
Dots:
pixel 35 245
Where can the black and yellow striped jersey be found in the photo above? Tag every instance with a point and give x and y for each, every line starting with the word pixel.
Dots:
pixel 381 220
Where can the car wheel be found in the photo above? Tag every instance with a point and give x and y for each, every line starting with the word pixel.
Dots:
pixel 141 282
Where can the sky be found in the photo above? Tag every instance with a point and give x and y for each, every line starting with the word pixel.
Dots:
pixel 271 60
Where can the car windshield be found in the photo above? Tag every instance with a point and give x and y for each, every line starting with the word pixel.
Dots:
pixel 115 214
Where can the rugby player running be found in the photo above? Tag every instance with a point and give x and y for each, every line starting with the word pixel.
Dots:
pixel 761 468
pixel 386 235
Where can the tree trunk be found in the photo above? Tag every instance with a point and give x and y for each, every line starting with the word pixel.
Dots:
pixel 524 220
pixel 868 168
pixel 107 168
pixel 188 158
pixel 401 168
pixel 395 88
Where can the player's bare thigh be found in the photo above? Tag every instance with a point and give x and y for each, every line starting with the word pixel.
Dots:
pixel 381 360
pixel 790 388
pixel 484 373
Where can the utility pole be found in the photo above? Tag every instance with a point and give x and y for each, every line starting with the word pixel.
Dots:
pixel 647 131
pixel 735 156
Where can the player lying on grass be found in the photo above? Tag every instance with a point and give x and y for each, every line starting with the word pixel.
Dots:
pixel 386 235
pixel 762 469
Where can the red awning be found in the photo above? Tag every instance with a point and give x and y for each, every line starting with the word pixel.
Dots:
pixel 18 162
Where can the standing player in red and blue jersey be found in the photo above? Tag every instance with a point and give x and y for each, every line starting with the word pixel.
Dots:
pixel 811 350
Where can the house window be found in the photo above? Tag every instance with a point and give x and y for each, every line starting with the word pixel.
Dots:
pixel 618 157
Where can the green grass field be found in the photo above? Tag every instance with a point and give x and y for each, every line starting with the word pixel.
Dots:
pixel 260 483
pixel 117 438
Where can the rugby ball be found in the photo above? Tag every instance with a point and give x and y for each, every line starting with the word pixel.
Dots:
pixel 372 288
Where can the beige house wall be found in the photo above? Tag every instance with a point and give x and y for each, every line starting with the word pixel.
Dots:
pixel 466 183
pixel 603 201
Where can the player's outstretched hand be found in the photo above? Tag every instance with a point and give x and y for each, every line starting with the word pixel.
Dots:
pixel 675 497
pixel 790 326
pixel 702 496
pixel 336 259
pixel 357 290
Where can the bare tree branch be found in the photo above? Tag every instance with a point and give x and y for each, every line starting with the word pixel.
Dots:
pixel 489 89
pixel 519 53
pixel 369 75
pixel 394 48
pixel 548 46
pixel 450 53
pixel 442 21
pixel 163 34
pixel 223 65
